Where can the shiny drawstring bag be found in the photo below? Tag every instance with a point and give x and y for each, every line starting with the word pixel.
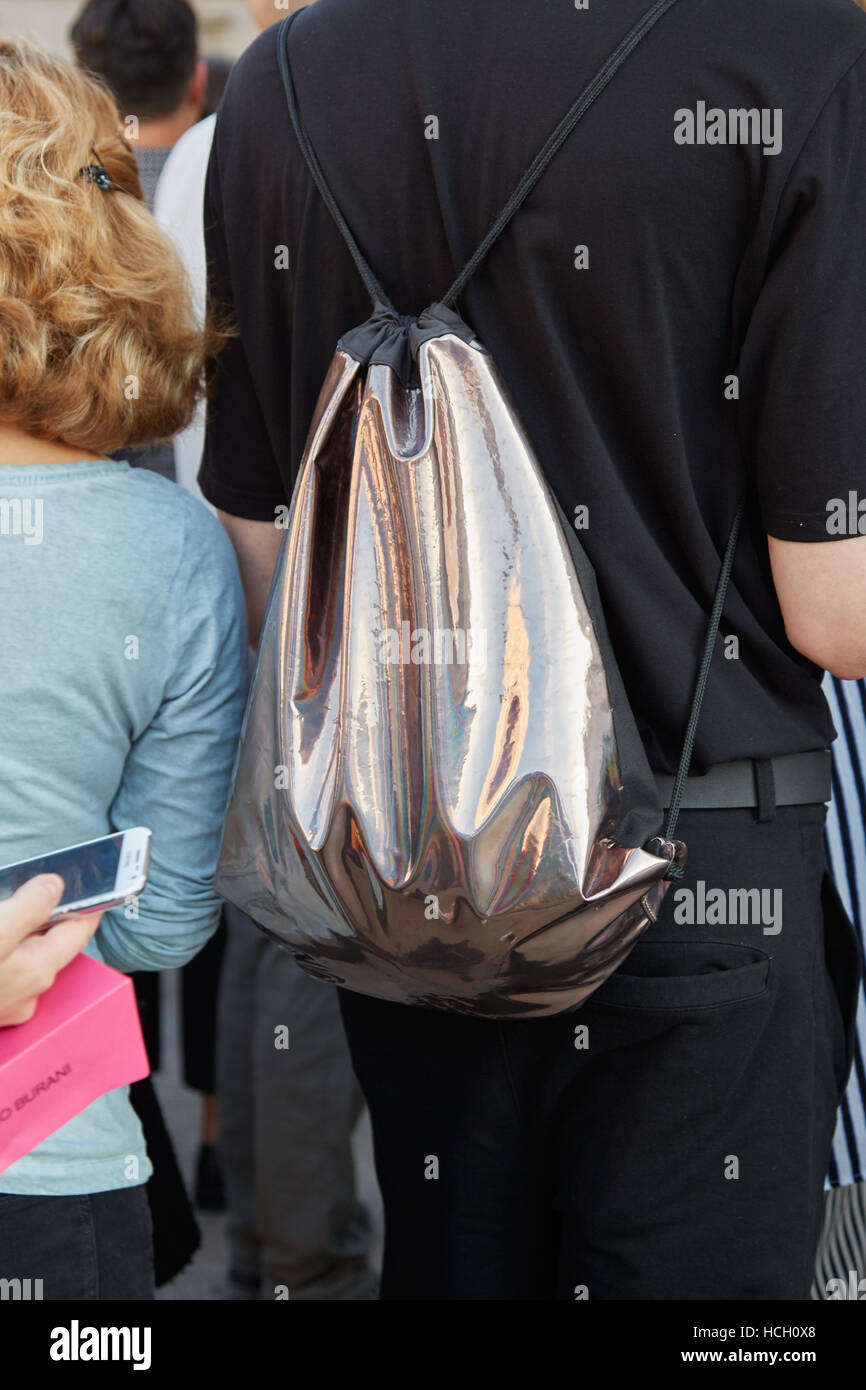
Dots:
pixel 441 796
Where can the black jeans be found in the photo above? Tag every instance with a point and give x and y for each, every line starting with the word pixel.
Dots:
pixel 94 1246
pixel 670 1139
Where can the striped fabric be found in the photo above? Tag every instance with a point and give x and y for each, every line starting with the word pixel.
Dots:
pixel 151 161
pixel 841 1261
pixel 846 851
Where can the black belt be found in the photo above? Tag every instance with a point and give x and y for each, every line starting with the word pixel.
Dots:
pixel 793 779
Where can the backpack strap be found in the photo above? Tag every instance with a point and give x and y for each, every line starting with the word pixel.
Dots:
pixel 538 166
pixel 374 289
pixel 555 142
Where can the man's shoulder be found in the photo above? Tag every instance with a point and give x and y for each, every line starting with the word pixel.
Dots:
pixel 258 62
pixel 819 33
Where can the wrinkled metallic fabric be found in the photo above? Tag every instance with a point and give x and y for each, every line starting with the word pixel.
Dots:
pixel 428 773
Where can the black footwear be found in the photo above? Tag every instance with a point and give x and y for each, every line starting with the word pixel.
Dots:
pixel 209 1192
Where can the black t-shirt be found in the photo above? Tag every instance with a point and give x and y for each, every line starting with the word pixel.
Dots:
pixel 703 261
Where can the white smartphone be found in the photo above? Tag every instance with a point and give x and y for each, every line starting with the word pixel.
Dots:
pixel 98 874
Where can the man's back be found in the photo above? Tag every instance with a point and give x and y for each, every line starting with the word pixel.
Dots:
pixel 649 268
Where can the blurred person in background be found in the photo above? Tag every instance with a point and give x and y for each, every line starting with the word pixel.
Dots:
pixel 286 1117
pixel 178 201
pixel 146 51
pixel 125 670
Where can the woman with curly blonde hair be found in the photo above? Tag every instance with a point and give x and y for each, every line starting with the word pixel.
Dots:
pixel 121 614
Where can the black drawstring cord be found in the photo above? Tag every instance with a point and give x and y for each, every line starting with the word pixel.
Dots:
pixel 521 192
pixel 554 143
pixel 374 289
pixel 675 870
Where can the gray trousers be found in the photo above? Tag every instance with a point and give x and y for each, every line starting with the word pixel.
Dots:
pixel 287 1113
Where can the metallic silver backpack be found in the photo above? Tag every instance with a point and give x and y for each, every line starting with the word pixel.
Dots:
pixel 441 795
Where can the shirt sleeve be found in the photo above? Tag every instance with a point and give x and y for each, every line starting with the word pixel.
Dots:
pixel 803 406
pixel 177 774
pixel 239 473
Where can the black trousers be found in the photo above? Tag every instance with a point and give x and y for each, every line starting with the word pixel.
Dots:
pixel 670 1139
pixel 96 1245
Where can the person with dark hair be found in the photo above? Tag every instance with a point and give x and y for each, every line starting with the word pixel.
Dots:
pixel 147 53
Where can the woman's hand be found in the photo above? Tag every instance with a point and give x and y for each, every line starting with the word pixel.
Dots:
pixel 28 962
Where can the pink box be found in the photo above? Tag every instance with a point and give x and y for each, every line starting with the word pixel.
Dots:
pixel 84 1039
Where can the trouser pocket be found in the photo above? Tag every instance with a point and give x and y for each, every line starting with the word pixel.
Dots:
pixel 687 975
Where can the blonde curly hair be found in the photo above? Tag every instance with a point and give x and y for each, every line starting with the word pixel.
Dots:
pixel 99 343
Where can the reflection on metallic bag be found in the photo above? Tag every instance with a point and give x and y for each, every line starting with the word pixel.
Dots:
pixel 441 795
pixel 441 832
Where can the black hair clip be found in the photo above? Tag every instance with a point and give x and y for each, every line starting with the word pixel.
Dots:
pixel 98 174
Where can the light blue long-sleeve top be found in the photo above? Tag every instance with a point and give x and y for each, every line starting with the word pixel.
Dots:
pixel 123 663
